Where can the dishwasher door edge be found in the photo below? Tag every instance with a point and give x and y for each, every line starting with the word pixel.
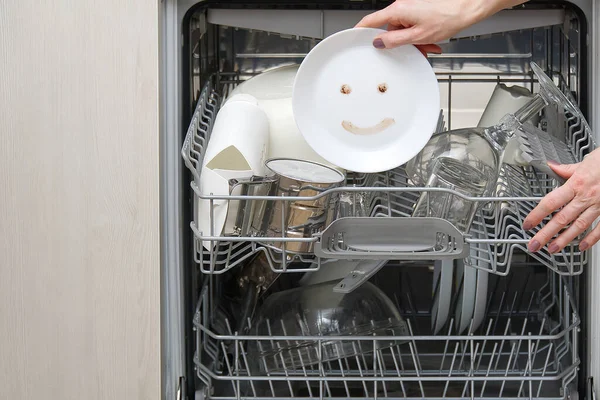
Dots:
pixel 594 272
pixel 173 316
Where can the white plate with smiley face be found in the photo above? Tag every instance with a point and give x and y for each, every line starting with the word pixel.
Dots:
pixel 365 109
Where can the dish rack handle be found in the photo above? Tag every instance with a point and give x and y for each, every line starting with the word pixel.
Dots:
pixel 376 238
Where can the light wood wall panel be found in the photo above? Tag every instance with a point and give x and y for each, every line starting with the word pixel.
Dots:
pixel 79 200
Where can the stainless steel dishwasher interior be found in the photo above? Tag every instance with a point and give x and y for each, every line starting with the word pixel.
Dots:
pixel 529 345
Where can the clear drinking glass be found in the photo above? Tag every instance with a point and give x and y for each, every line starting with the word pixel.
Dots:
pixel 352 204
pixel 468 160
pixel 468 173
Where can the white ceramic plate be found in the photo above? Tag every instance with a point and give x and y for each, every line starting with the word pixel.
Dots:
pixel 479 259
pixel 480 298
pixel 272 84
pixel 442 295
pixel 364 109
pixel 465 305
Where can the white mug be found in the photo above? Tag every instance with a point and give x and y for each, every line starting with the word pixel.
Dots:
pixel 505 100
pixel 236 150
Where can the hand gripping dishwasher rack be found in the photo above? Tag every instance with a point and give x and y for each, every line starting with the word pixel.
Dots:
pixel 527 347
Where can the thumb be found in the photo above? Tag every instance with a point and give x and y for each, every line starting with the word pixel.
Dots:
pixel 563 170
pixel 395 38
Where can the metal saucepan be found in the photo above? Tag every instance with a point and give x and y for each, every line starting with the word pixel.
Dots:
pixel 295 218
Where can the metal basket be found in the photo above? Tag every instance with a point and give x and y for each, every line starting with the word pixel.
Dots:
pixel 527 348
pixel 496 234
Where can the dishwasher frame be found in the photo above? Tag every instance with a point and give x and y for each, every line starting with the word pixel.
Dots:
pixel 216 338
pixel 174 116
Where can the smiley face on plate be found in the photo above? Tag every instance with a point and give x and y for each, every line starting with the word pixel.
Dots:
pixel 367 130
pixel 365 102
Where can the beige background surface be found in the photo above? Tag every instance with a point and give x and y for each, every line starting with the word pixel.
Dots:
pixel 79 200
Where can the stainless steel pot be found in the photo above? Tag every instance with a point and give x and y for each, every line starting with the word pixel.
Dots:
pixel 296 218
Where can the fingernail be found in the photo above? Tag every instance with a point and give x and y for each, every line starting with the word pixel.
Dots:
pixel 527 226
pixel 534 246
pixel 378 43
pixel 553 248
pixel 583 246
pixel 552 163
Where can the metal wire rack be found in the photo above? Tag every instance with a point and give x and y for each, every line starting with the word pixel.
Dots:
pixel 527 348
pixel 496 235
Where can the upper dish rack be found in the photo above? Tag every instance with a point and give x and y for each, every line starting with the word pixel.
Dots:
pixel 495 241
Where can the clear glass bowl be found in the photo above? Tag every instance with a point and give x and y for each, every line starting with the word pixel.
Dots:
pixel 315 313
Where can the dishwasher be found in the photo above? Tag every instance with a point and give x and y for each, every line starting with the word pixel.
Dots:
pixel 234 326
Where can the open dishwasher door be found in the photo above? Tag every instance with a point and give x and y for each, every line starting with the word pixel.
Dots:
pixel 529 338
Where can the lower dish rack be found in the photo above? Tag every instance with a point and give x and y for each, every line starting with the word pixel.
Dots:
pixel 496 240
pixel 527 348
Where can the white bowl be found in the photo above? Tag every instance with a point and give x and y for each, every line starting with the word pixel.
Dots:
pixel 273 91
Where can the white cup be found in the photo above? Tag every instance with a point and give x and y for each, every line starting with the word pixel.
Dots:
pixel 505 100
pixel 236 150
